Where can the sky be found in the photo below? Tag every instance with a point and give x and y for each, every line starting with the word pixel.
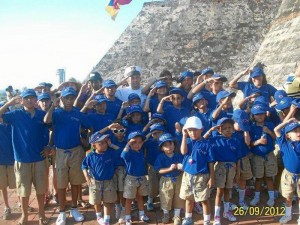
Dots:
pixel 37 37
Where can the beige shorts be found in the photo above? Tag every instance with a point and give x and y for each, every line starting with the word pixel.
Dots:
pixel 119 178
pixel 246 172
pixel 102 191
pixel 262 167
pixel 7 177
pixel 135 185
pixel 169 190
pixel 153 178
pixel 288 185
pixel 224 174
pixel 31 173
pixel 194 187
pixel 68 167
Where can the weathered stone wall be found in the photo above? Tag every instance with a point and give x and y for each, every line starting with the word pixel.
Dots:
pixel 191 34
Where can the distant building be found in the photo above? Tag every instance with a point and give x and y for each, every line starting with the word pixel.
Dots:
pixel 61 73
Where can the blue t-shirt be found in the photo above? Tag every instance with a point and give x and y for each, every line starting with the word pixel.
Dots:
pixel 135 162
pixel 27 134
pixel 99 121
pixel 290 152
pixel 163 161
pixel 101 166
pixel 152 150
pixel 154 102
pixel 66 127
pixel 255 133
pixel 113 107
pixel 187 103
pixel 198 157
pixel 6 148
pixel 174 115
pixel 210 97
pixel 227 114
pixel 205 119
pixel 267 90
pixel 225 149
pixel 245 150
pixel 121 145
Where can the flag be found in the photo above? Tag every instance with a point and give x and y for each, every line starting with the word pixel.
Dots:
pixel 122 2
pixel 112 9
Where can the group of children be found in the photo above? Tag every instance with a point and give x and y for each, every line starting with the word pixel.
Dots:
pixel 173 142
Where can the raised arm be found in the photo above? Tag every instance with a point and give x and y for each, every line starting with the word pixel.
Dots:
pixel 161 103
pixel 282 125
pixel 14 101
pixel 48 116
pixel 233 83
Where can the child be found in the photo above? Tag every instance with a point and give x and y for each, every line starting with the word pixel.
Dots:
pixel 288 138
pixel 98 168
pixel 134 118
pixel 136 184
pixel 226 153
pixel 198 176
pixel 264 162
pixel 169 165
pixel 185 81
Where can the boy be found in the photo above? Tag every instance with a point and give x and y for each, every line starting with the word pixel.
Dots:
pixel 136 184
pixel 198 176
pixel 113 103
pixel 98 168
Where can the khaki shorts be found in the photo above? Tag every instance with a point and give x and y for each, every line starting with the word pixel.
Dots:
pixel 134 186
pixel 102 191
pixel 119 178
pixel 68 167
pixel 262 167
pixel 288 185
pixel 224 174
pixel 169 190
pixel 7 177
pixel 194 187
pixel 246 172
pixel 153 181
pixel 31 173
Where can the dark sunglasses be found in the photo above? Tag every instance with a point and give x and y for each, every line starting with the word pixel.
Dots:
pixel 119 131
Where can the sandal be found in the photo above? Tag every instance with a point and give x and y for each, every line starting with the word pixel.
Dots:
pixel 21 222
pixel 83 204
pixel 43 221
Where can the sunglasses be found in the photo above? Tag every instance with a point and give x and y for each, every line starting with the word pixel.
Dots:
pixel 119 131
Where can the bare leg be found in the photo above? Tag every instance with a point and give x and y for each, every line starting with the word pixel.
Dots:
pixel 24 208
pixel 5 197
pixel 206 207
pixel 62 199
pixel 189 205
pixel 128 206
pixel 40 200
pixel 75 191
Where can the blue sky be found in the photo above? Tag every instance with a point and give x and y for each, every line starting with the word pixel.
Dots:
pixel 39 36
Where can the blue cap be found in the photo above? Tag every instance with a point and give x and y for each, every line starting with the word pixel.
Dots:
pixel 94 76
pixel 183 120
pixel 68 91
pixel 224 94
pixel 134 108
pixel 164 138
pixel 159 116
pixel 100 98
pixel 207 70
pixel 136 134
pixel 262 100
pixel 160 83
pixel 291 126
pixel 258 109
pixel 296 102
pixel 279 95
pixel 242 118
pixel 109 83
pixel 97 137
pixel 256 72
pixel 197 97
pixel 177 91
pixel 28 92
pixel 157 126
pixel 284 103
pixel 219 77
pixel 133 96
pixel 225 120
pixel 44 96
pixel 185 74
pixel 255 91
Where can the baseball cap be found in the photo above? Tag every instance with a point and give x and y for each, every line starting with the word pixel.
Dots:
pixel 258 109
pixel 219 77
pixel 177 91
pixel 284 103
pixel 134 108
pixel 132 70
pixel 28 92
pixel 242 118
pixel 157 126
pixel 256 72
pixel 225 120
pixel 108 83
pixel 136 134
pixel 185 74
pixel 197 97
pixel 207 70
pixel 158 116
pixel 100 98
pixel 95 76
pixel 44 96
pixel 68 91
pixel 193 122
pixel 224 94
pixel 160 83
pixel 254 91
pixel 133 96
pixel 97 137
pixel 279 95
pixel 164 138
pixel 291 126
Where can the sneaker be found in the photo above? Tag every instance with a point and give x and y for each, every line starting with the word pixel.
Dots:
pixel 61 219
pixel 128 222
pixel 122 217
pixel 144 218
pixel 6 213
pixel 229 216
pixel 232 206
pixel 55 200
pixel 100 220
pixel 165 218
pixel 270 202
pixel 198 208
pixel 298 221
pixel 78 217
pixel 177 220
pixel 254 201
pixel 187 221
pixel 150 206
pixel 217 220
pixel 118 209
pixel 285 219
pixel 243 205
pixel 134 206
pixel 207 222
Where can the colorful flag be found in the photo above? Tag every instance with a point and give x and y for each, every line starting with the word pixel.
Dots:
pixel 111 9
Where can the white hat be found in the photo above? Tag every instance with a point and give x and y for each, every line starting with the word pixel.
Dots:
pixel 193 122
pixel 132 70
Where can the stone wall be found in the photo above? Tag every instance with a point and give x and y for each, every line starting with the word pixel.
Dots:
pixel 191 34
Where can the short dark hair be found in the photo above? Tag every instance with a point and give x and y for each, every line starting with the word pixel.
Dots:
pixel 164 73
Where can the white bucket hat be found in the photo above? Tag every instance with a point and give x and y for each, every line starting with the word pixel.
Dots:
pixel 193 122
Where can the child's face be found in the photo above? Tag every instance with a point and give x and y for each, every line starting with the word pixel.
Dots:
pixel 101 107
pixel 135 101
pixel 226 130
pixel 257 81
pixel 44 104
pixel 101 146
pixel 217 85
pixel 294 135
pixel 162 91
pixel 228 103
pixel 68 101
pixel 201 104
pixel 110 91
pixel 29 102
pixel 156 134
pixel 260 118
pixel 177 99
pixel 136 144
pixel 136 117
pixel 187 83
pixel 194 133
pixel 119 132
pixel 168 147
